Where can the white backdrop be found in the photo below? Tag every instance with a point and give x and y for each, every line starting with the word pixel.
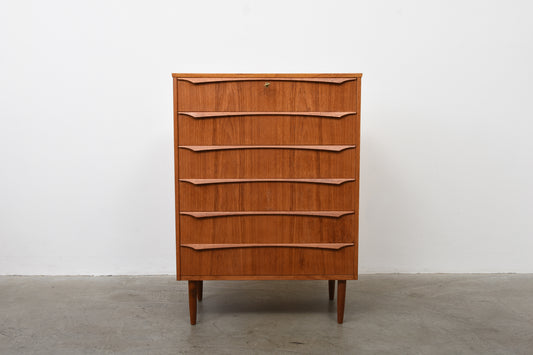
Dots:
pixel 86 163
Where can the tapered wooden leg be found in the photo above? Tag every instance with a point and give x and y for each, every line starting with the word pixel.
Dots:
pixel 193 290
pixel 331 284
pixel 200 290
pixel 341 296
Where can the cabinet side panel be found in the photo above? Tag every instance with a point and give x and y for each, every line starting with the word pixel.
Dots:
pixel 176 175
pixel 357 162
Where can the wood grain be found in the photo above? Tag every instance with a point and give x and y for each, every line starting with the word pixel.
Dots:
pixel 281 96
pixel 259 229
pixel 267 261
pixel 332 214
pixel 218 114
pixel 331 246
pixel 267 196
pixel 266 164
pixel 269 130
pixel 275 158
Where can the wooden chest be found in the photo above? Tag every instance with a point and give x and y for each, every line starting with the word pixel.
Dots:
pixel 267 178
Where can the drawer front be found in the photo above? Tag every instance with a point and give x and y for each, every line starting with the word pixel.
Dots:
pixel 266 95
pixel 268 129
pixel 267 196
pixel 267 261
pixel 268 229
pixel 267 162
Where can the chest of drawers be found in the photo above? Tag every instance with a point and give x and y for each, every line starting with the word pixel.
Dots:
pixel 267 178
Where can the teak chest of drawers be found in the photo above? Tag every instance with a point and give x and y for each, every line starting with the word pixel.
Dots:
pixel 267 178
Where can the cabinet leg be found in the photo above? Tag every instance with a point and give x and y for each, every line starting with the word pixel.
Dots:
pixel 193 290
pixel 200 290
pixel 331 285
pixel 341 296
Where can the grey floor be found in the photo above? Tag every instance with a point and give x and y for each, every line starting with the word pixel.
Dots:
pixel 385 314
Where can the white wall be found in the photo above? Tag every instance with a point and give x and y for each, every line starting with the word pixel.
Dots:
pixel 86 163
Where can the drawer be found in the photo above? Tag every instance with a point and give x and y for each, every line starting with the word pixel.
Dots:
pixel 268 196
pixel 265 129
pixel 267 94
pixel 267 261
pixel 267 161
pixel 268 229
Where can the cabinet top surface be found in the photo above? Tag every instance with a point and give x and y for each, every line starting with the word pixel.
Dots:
pixel 278 75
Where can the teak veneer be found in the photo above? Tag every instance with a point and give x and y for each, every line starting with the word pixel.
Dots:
pixel 267 179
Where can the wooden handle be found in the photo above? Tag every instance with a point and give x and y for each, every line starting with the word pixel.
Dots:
pixel 328 148
pixel 330 246
pixel 311 80
pixel 240 181
pixel 208 114
pixel 332 214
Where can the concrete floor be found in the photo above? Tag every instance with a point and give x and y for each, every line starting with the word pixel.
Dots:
pixel 385 314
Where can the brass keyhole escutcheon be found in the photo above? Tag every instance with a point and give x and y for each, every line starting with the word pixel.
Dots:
pixel 267 84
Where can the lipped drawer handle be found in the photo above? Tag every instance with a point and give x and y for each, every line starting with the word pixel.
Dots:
pixel 331 214
pixel 329 246
pixel 207 114
pixel 336 81
pixel 326 148
pixel 240 181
